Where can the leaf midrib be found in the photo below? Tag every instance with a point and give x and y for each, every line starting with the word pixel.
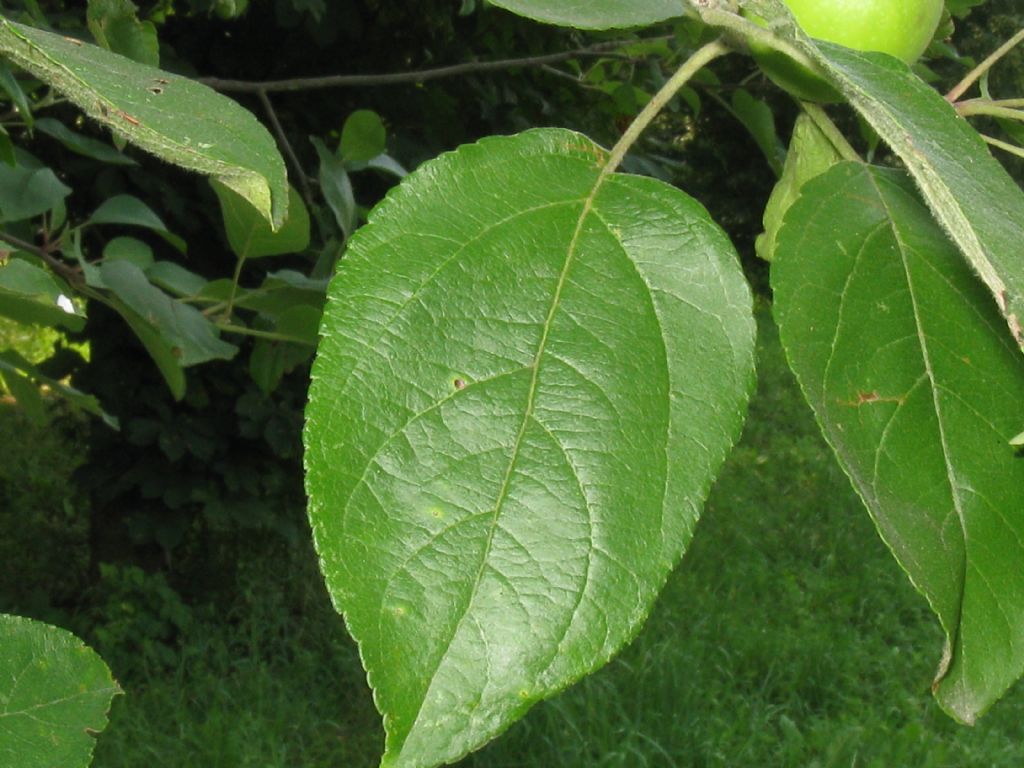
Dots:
pixel 588 204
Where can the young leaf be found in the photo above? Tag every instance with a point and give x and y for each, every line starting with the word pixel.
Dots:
pixel 596 14
pixel 810 154
pixel 363 137
pixel 529 374
pixel 176 119
pixel 969 192
pixel 54 696
pixel 336 188
pixel 918 388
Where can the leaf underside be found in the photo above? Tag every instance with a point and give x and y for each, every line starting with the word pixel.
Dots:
pixel 177 119
pixel 526 383
pixel 917 386
pixel 595 14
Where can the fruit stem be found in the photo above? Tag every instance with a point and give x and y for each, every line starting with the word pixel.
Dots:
pixel 701 58
pixel 832 133
pixel 976 74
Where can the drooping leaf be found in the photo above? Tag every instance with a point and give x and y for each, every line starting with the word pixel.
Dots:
pixel 810 154
pixel 968 191
pixel 596 14
pixel 55 693
pixel 192 338
pixel 918 387
pixel 337 188
pixel 163 352
pixel 10 85
pixel 29 188
pixel 176 119
pixel 82 145
pixel 249 234
pixel 529 374
pixel 758 118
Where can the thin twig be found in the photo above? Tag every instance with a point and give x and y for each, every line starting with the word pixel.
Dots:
pixel 987 108
pixel 66 271
pixel 289 151
pixel 418 76
pixel 975 74
pixel 1013 149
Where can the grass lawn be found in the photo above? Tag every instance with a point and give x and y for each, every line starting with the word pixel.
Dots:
pixel 787 637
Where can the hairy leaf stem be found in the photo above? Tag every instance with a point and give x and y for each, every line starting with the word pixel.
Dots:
pixel 683 75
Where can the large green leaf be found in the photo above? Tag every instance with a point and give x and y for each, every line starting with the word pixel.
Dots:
pixel 529 374
pixel 968 191
pixel 596 14
pixel 918 388
pixel 176 119
pixel 54 696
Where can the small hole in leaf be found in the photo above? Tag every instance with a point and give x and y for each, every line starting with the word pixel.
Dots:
pixel 459 383
pixel 155 89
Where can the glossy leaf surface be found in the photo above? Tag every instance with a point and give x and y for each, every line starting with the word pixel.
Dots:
pixel 918 388
pixel 596 14
pixel 176 119
pixel 528 377
pixel 54 696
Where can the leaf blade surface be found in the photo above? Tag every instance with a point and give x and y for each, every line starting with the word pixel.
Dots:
pixel 54 695
pixel 509 435
pixel 917 387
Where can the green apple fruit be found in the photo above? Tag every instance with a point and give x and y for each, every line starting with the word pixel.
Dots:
pixel 901 28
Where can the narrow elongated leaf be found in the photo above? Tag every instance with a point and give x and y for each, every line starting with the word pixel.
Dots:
pixel 173 117
pixel 969 192
pixel 918 388
pixel 82 145
pixel 54 696
pixel 596 14
pixel 529 374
